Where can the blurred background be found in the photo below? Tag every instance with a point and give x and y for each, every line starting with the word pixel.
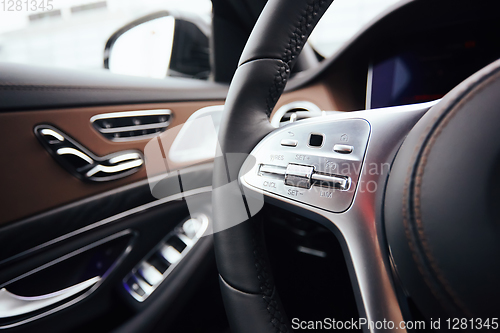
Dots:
pixel 73 34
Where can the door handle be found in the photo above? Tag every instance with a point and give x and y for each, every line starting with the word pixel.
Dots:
pixel 13 305
pixel 82 163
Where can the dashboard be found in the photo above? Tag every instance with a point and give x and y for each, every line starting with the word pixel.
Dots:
pixel 415 53
pixel 431 63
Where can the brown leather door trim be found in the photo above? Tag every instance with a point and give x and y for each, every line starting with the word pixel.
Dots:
pixel 33 182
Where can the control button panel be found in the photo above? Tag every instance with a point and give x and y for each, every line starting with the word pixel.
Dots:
pixel 304 176
pixel 158 264
pixel 132 125
pixel 321 170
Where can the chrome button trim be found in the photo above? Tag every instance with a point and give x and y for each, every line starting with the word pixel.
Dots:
pixel 298 175
pixel 150 274
pixel 73 151
pixel 271 170
pixel 146 275
pixel 87 165
pixel 115 168
pixel 343 149
pixel 170 254
pixel 289 143
pixel 338 182
pixel 52 133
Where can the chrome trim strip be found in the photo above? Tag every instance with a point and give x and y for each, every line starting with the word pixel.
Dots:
pixel 111 219
pixel 12 305
pixel 48 131
pixel 369 87
pixel 133 128
pixel 76 152
pixel 120 114
pixel 114 168
pixel 273 169
pixel 124 157
pixel 67 256
pixel 135 138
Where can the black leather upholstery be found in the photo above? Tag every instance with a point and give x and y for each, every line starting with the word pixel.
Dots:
pixel 441 206
pixel 250 297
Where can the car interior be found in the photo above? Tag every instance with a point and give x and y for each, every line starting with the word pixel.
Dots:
pixel 260 186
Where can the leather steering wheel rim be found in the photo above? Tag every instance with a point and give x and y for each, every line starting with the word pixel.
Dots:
pixel 250 297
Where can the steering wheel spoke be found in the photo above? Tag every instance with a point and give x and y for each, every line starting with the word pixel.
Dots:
pixel 333 169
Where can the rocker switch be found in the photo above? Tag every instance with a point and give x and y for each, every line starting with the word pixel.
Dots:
pixel 299 175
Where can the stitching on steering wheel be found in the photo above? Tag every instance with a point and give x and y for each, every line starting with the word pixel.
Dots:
pixel 476 88
pixel 267 286
pixel 295 44
pixel 413 182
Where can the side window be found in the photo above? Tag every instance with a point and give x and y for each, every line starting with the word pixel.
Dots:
pixel 141 38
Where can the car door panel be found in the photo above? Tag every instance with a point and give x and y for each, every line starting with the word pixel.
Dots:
pixel 149 226
pixel 48 214
pixel 26 87
pixel 51 219
pixel 67 221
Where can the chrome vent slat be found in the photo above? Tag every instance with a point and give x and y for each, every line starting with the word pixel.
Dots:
pixel 132 125
pixel 133 128
pixel 302 109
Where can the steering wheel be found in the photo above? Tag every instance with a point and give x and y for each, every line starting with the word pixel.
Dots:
pixel 411 192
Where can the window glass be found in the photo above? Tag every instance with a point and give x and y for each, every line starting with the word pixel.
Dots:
pixel 73 33
pixel 343 20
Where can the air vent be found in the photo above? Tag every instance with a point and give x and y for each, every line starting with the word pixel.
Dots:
pixel 132 125
pixel 301 109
